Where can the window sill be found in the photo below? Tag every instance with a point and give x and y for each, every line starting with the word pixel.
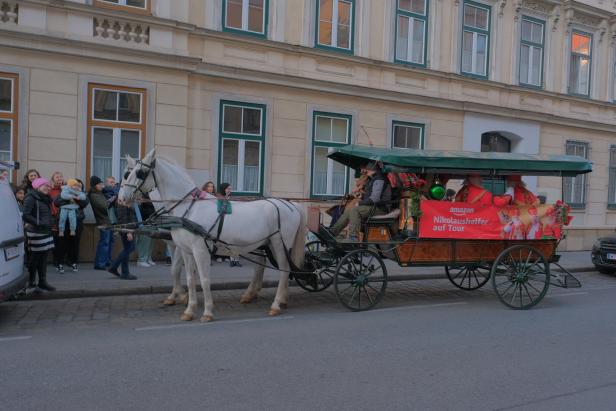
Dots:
pixel 244 32
pixel 475 76
pixel 334 49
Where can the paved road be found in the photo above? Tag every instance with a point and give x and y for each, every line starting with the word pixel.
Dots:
pixel 428 346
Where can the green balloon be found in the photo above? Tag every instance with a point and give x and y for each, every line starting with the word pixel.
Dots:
pixel 437 192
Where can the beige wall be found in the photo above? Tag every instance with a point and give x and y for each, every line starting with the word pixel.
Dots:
pixel 187 65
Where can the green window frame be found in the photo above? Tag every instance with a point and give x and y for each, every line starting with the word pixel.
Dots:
pixel 577 59
pixel 244 20
pixel 408 20
pixel 336 24
pixel 532 47
pixel 396 126
pixel 326 175
pixel 239 144
pixel 475 36
pixel 574 188
pixel 611 191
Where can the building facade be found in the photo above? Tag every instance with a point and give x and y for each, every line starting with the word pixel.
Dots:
pixel 255 92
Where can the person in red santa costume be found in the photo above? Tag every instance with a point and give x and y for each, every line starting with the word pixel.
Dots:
pixel 472 192
pixel 521 195
pixel 534 229
pixel 514 229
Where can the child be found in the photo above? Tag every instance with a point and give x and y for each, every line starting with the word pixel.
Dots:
pixel 110 191
pixel 20 194
pixel 71 191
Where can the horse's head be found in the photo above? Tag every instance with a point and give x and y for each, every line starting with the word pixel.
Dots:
pixel 139 178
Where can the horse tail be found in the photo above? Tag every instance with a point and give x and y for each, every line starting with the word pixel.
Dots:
pixel 297 252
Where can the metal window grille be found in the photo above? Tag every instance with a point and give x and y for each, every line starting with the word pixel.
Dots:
pixel 574 188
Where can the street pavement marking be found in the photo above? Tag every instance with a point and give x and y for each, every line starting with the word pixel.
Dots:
pixel 16 338
pixel 408 307
pixel 213 323
pixel 567 294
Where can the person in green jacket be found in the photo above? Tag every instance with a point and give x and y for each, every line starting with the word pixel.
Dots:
pixel 99 207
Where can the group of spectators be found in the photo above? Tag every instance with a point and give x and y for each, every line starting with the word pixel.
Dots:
pixel 53 215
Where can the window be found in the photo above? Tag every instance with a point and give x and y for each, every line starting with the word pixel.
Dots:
pixel 116 127
pixel 611 192
pixel 8 118
pixel 495 143
pixel 574 188
pixel 329 130
pixel 246 16
pixel 407 135
pixel 241 154
pixel 531 51
pixel 579 65
pixel 411 31
pixel 475 39
pixel 335 20
pixel 135 6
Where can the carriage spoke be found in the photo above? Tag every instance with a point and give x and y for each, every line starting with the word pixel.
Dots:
pixel 352 295
pixel 368 295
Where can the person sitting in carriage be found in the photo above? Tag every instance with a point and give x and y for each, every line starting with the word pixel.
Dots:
pixel 473 192
pixel 375 200
pixel 521 195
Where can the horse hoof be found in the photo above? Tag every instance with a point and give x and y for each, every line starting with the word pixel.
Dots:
pixel 274 312
pixel 186 317
pixel 168 301
pixel 284 306
pixel 207 318
pixel 246 299
pixel 184 300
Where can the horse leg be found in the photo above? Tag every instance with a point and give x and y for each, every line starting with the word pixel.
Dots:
pixel 252 292
pixel 282 292
pixel 176 271
pixel 189 264
pixel 203 261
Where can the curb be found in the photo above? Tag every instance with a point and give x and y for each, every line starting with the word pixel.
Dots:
pixel 233 285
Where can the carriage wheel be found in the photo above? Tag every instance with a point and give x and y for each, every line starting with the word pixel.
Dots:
pixel 323 264
pixel 360 280
pixel 468 277
pixel 520 277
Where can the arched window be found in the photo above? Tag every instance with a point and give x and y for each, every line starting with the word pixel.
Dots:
pixel 495 142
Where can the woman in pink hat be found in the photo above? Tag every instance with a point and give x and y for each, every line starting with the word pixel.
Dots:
pixel 38 222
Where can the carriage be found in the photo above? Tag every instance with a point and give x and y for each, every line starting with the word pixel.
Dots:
pixel 474 244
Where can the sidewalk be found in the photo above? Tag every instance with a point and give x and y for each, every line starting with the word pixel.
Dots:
pixel 157 280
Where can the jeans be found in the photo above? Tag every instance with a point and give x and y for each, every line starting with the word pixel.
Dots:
pixel 37 263
pixel 144 247
pixel 104 249
pixel 122 259
pixel 69 214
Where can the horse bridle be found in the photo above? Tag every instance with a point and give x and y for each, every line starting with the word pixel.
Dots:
pixel 143 176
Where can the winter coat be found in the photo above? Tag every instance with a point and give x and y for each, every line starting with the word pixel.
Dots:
pixel 126 215
pixel 99 207
pixel 59 202
pixel 37 212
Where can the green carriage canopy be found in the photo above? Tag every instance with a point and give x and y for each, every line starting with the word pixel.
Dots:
pixel 461 163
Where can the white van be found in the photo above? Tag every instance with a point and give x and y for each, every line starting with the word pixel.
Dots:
pixel 13 277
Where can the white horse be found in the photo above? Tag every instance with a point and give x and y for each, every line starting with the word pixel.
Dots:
pixel 177 293
pixel 274 223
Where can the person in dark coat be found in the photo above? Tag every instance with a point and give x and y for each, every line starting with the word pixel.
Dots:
pixel 38 222
pixel 126 215
pixel 68 245
pixel 99 203
pixel 376 200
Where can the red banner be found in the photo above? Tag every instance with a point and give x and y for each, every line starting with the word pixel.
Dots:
pixel 443 219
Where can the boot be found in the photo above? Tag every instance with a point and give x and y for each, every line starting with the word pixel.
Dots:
pixel 43 284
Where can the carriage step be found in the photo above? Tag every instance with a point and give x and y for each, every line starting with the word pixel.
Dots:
pixel 564 279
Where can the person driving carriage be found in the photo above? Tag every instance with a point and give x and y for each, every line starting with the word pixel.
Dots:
pixel 375 200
